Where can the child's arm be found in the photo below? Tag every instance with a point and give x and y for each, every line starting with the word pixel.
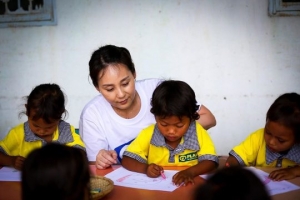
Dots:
pixel 285 173
pixel 231 161
pixel 151 170
pixel 187 175
pixel 11 161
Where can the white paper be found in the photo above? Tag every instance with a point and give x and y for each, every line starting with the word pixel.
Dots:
pixel 274 187
pixel 205 176
pixel 9 174
pixel 123 177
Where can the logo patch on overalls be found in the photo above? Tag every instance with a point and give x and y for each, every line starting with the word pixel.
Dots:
pixel 188 157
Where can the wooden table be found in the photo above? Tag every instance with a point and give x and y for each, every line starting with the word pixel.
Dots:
pixel 12 190
pixel 124 193
pixel 186 193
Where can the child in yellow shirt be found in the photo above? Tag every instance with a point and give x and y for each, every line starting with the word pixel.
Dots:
pixel 45 107
pixel 176 139
pixel 275 145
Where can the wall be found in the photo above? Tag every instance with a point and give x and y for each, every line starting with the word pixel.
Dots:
pixel 236 57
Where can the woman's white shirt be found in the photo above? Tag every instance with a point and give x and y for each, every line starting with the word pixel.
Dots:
pixel 101 127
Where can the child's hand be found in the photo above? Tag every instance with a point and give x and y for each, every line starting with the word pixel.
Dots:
pixel 183 178
pixel 284 174
pixel 154 170
pixel 18 162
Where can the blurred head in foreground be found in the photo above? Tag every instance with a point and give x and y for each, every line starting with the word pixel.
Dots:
pixel 57 172
pixel 234 183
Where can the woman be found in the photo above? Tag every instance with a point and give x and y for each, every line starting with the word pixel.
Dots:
pixel 111 120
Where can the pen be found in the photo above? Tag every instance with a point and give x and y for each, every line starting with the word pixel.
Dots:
pixel 162 174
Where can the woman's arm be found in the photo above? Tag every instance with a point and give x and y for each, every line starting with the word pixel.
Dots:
pixel 207 119
pixel 92 134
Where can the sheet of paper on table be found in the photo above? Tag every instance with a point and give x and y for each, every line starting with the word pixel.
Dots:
pixel 123 177
pixel 274 187
pixel 9 174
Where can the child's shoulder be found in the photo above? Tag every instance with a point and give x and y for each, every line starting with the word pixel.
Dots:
pixel 201 133
pixel 18 128
pixel 257 133
pixel 17 131
pixel 148 131
pixel 256 137
pixel 65 127
pixel 199 128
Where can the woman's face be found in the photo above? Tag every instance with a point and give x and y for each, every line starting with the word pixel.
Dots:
pixel 117 85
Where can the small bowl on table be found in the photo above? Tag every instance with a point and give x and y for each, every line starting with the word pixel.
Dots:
pixel 100 186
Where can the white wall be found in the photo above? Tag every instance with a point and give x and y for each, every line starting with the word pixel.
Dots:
pixel 236 57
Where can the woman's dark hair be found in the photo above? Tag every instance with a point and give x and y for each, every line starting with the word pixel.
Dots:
pixel 176 98
pixel 56 172
pixel 109 55
pixel 47 101
pixel 234 183
pixel 286 111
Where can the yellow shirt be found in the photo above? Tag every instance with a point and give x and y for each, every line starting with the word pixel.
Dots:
pixel 253 152
pixel 20 140
pixel 150 147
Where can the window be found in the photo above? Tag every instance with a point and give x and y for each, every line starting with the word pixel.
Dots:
pixel 15 13
pixel 284 7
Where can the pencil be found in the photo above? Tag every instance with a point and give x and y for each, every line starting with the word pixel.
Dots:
pixel 163 175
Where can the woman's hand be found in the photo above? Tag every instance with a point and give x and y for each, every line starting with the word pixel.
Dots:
pixel 106 158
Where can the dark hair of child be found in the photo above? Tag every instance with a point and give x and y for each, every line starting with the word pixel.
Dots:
pixel 57 172
pixel 174 98
pixel 47 101
pixel 286 111
pixel 109 55
pixel 234 183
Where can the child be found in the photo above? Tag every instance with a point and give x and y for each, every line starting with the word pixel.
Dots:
pixel 44 108
pixel 56 171
pixel 175 140
pixel 234 183
pixel 276 145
